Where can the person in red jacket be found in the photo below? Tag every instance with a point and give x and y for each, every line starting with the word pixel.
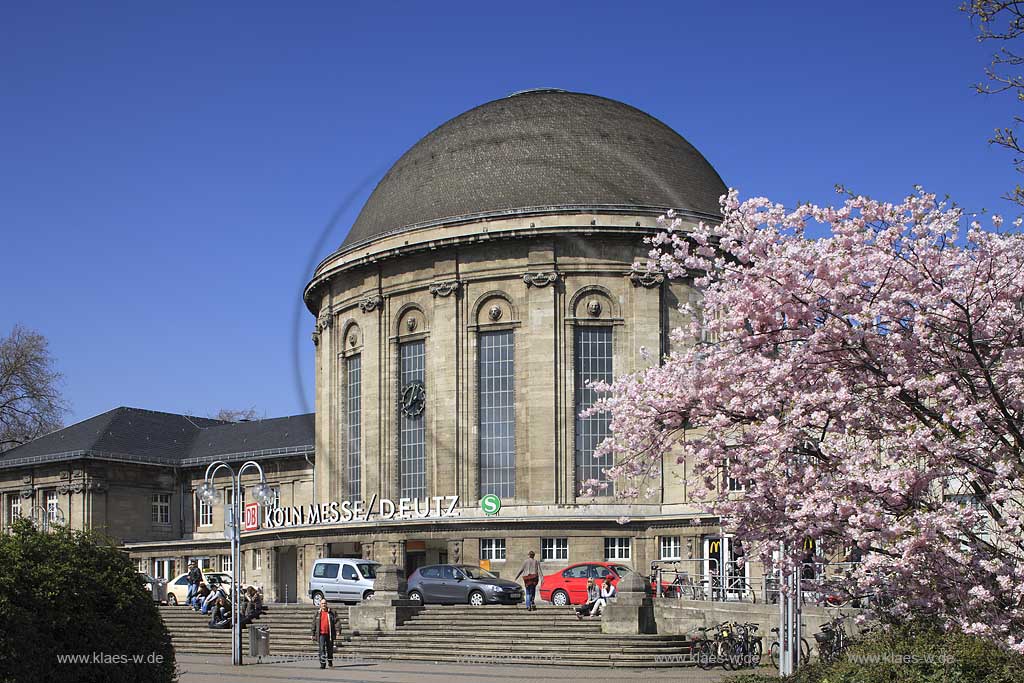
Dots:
pixel 323 631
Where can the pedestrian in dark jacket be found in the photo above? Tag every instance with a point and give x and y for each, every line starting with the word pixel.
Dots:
pixel 221 614
pixel 323 631
pixel 195 577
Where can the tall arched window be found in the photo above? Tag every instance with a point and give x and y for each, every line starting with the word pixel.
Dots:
pixel 354 425
pixel 497 414
pixel 412 477
pixel 593 363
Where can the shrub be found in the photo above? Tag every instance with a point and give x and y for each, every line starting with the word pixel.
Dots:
pixel 918 652
pixel 66 593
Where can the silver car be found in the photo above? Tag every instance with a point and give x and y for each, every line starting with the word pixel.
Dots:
pixel 462 583
pixel 342 579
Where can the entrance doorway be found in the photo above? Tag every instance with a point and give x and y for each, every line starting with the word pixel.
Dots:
pixel 725 574
pixel 286 574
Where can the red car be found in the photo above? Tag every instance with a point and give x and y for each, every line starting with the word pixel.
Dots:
pixel 569 586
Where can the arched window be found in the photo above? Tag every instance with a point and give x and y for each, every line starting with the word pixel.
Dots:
pixel 497 413
pixel 593 363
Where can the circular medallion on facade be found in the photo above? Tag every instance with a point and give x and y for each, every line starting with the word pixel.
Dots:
pixel 414 398
pixel 410 324
pixel 494 313
pixel 594 308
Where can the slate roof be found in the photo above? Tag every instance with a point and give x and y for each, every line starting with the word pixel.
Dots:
pixel 150 436
pixel 540 148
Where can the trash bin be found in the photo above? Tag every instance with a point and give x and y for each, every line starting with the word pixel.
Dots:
pixel 259 641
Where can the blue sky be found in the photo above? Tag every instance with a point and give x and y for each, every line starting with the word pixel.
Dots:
pixel 167 172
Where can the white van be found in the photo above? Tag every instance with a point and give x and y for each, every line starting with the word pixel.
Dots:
pixel 342 580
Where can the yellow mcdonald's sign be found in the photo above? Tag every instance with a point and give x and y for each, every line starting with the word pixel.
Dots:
pixel 809 545
pixel 715 546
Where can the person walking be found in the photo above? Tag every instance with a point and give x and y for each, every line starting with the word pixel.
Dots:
pixel 532 574
pixel 323 631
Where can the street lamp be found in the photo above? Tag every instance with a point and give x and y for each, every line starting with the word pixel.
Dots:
pixel 232 516
pixel 45 516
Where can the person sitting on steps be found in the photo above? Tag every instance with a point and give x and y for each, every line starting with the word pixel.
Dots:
pixel 593 595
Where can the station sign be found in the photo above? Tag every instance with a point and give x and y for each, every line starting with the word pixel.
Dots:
pixel 382 509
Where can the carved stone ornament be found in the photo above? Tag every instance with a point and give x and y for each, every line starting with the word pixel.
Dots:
pixel 65 474
pixel 446 288
pixel 353 340
pixel 26 493
pixel 97 486
pixel 540 279
pixel 26 479
pixel 325 319
pixel 456 551
pixel 78 487
pixel 315 337
pixel 594 308
pixel 77 474
pixel 410 324
pixel 63 489
pixel 494 312
pixel 370 302
pixel 646 279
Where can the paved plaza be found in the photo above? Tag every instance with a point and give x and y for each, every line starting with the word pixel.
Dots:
pixel 205 669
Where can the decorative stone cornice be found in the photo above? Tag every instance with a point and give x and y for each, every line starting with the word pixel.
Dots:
pixel 542 279
pixel 445 288
pixel 646 279
pixel 370 303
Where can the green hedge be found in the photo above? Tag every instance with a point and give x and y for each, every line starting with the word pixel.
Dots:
pixel 913 653
pixel 67 593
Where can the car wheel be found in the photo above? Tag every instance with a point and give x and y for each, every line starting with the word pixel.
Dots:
pixel 367 594
pixel 416 596
pixel 172 599
pixel 560 598
pixel 317 598
pixel 476 598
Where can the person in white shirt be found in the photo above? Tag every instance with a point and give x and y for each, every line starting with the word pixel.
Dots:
pixel 608 593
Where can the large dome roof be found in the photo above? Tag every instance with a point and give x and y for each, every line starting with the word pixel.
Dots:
pixel 540 148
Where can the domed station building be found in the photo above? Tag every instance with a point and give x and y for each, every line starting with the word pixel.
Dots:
pixel 487 281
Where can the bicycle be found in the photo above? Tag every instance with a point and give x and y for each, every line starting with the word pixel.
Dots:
pixel 746 650
pixel 832 639
pixel 775 652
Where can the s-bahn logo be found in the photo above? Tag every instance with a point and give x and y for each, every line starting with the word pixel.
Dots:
pixel 490 504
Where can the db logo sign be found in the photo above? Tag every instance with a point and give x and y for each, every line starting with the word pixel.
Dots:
pixel 252 516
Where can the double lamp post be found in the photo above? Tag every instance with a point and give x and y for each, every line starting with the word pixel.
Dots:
pixel 232 520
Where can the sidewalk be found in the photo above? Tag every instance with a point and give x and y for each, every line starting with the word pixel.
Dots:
pixel 202 669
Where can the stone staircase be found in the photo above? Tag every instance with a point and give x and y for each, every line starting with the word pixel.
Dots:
pixel 487 635
pixel 289 630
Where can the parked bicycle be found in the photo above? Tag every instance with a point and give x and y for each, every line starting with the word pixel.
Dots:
pixel 710 652
pixel 832 639
pixel 746 648
pixel 775 652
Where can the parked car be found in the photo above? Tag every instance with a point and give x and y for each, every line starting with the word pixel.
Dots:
pixel 342 579
pixel 177 589
pixel 569 586
pixel 462 583
pixel 156 587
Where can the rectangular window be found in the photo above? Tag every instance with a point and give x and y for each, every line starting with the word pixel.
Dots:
pixel 13 507
pixel 492 548
pixel 226 563
pixel 671 548
pixel 257 559
pixel 161 508
pixel 412 477
pixel 497 416
pixel 52 506
pixel 141 565
pixel 616 548
pixel 554 549
pixel 205 512
pixel 593 356
pixel 353 380
pixel 276 502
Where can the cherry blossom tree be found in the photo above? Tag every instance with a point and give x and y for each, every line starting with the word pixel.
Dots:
pixel 866 388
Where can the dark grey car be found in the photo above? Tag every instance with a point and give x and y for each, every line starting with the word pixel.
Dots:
pixel 462 583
